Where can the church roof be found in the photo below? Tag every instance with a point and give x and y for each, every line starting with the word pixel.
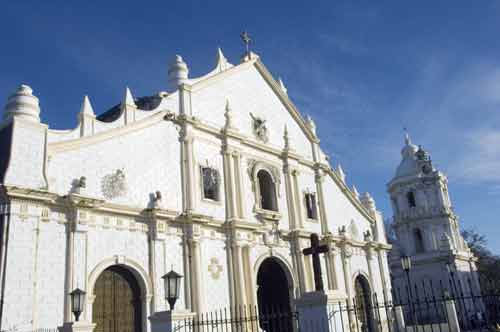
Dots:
pixel 146 103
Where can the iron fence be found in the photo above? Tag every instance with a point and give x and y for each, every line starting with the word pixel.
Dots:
pixel 241 319
pixel 427 308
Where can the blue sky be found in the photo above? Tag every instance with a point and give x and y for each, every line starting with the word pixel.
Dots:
pixel 362 69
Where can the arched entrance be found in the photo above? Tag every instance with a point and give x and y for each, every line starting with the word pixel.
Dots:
pixel 363 303
pixel 117 304
pixel 273 296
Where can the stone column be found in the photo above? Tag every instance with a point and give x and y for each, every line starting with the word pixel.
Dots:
pixel 383 276
pixel 187 170
pixel 230 268
pixel 229 185
pixel 298 200
pixel 290 195
pixel 346 266
pixel 330 268
pixel 299 262
pixel 250 282
pixel 152 267
pixel 70 225
pixel 239 275
pixel 321 201
pixel 239 185
pixel 369 261
pixel 196 282
pixel 187 262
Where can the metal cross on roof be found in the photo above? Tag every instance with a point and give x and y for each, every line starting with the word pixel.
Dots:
pixel 247 40
pixel 314 251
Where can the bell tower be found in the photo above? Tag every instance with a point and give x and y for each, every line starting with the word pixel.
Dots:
pixel 426 227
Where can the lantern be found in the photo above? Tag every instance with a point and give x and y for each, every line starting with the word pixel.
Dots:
pixel 406 263
pixel 172 282
pixel 77 302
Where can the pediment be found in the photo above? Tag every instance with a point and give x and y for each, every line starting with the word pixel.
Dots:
pixel 254 95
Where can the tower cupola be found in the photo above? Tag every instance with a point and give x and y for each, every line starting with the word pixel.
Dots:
pixel 23 104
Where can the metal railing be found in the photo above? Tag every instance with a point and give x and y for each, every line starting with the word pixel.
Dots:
pixel 241 319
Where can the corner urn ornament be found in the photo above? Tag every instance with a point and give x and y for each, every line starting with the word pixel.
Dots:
pixel 114 185
pixel 259 128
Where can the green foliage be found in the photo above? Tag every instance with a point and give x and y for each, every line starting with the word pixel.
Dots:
pixel 488 264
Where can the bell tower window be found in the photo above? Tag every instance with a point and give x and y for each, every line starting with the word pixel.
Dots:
pixel 210 178
pixel 419 241
pixel 267 191
pixel 312 212
pixel 410 196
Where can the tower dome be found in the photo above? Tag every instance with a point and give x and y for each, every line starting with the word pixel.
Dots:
pixel 408 165
pixel 23 104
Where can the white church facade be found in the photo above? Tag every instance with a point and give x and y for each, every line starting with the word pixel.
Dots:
pixel 220 179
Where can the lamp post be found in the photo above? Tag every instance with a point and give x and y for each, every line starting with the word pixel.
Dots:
pixel 172 283
pixel 77 302
pixel 406 265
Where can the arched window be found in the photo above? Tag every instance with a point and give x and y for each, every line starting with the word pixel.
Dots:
pixel 210 178
pixel 419 241
pixel 267 190
pixel 310 199
pixel 410 196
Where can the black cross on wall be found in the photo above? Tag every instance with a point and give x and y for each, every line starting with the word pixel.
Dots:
pixel 315 250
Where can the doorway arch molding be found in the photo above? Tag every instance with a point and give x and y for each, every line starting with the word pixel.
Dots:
pixel 283 262
pixel 365 276
pixel 141 276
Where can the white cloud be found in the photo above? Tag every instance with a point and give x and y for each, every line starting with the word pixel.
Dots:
pixel 479 161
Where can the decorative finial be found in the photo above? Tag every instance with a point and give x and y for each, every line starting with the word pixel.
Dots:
pixel 86 106
pixel 245 37
pixel 23 105
pixel 340 172
pixel 407 136
pixel 221 62
pixel 355 191
pixel 286 138
pixel 128 99
pixel 177 73
pixel 310 123
pixel 369 203
pixel 282 85
pixel 228 114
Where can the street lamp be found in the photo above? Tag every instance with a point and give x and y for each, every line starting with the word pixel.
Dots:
pixel 406 265
pixel 172 283
pixel 77 302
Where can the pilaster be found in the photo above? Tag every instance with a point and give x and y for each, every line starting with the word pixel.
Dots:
pixel 290 194
pixel 298 258
pixel 187 170
pixel 346 266
pixel 298 199
pixel 319 178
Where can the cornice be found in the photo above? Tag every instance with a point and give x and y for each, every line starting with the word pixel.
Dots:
pixel 348 193
pixel 292 109
pixel 58 147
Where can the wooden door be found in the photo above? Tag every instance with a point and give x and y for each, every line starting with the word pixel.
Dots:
pixel 117 306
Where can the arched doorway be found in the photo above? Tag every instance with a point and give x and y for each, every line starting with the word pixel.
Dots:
pixel 273 296
pixel 117 304
pixel 363 303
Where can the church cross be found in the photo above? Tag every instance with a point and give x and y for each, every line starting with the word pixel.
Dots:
pixel 315 250
pixel 247 40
